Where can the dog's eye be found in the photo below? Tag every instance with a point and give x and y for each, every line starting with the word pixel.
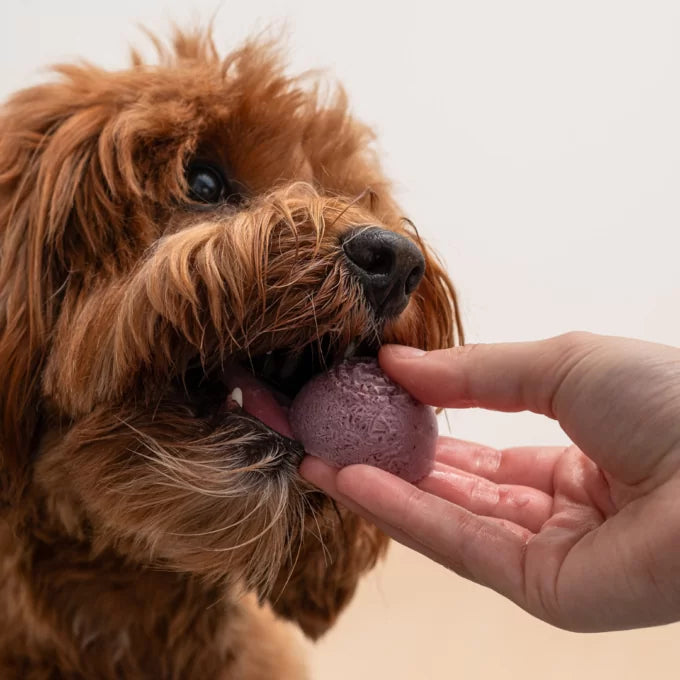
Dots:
pixel 206 183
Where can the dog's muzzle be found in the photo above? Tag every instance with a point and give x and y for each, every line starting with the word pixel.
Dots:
pixel 389 268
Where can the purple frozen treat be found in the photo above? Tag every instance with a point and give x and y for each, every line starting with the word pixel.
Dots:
pixel 355 414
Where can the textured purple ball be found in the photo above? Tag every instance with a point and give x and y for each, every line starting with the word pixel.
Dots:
pixel 355 414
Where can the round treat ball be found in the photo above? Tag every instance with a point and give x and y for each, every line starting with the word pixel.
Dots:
pixel 355 414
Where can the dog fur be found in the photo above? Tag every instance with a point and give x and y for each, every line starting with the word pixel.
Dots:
pixel 146 531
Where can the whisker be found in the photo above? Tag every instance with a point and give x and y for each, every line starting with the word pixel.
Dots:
pixel 318 335
pixel 275 519
pixel 221 529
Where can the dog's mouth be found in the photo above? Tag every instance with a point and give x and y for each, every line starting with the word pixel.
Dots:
pixel 263 386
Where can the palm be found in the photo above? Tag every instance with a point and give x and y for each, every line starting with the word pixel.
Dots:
pixel 567 535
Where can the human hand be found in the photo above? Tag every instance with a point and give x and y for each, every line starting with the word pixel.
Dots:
pixel 585 537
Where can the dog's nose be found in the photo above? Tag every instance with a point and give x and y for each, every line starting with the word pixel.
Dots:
pixel 389 266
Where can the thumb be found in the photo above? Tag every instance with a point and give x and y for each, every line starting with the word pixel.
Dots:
pixel 522 376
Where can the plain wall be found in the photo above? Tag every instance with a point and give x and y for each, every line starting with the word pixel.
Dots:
pixel 536 145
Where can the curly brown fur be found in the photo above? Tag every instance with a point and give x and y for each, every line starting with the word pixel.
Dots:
pixel 143 525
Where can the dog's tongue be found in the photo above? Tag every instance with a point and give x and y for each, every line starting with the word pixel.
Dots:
pixel 259 400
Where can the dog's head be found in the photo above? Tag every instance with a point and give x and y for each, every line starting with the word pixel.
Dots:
pixel 168 233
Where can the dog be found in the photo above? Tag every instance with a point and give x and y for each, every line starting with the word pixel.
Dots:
pixel 167 231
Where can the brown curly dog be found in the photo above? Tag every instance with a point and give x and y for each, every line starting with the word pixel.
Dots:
pixel 164 231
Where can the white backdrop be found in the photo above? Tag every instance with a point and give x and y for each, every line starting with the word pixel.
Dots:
pixel 537 146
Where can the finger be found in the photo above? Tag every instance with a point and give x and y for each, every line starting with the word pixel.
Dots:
pixel 480 548
pixel 526 465
pixel 325 477
pixel 485 550
pixel 520 505
pixel 504 377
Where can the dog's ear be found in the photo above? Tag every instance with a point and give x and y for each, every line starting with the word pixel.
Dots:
pixel 50 181
pixel 320 577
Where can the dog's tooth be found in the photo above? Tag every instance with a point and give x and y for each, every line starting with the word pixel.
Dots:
pixel 237 396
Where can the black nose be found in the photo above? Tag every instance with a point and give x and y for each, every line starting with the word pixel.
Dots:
pixel 389 266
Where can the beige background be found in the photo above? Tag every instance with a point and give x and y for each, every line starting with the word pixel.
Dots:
pixel 537 146
pixel 416 621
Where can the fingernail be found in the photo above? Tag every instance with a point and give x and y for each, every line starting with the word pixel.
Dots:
pixel 404 352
